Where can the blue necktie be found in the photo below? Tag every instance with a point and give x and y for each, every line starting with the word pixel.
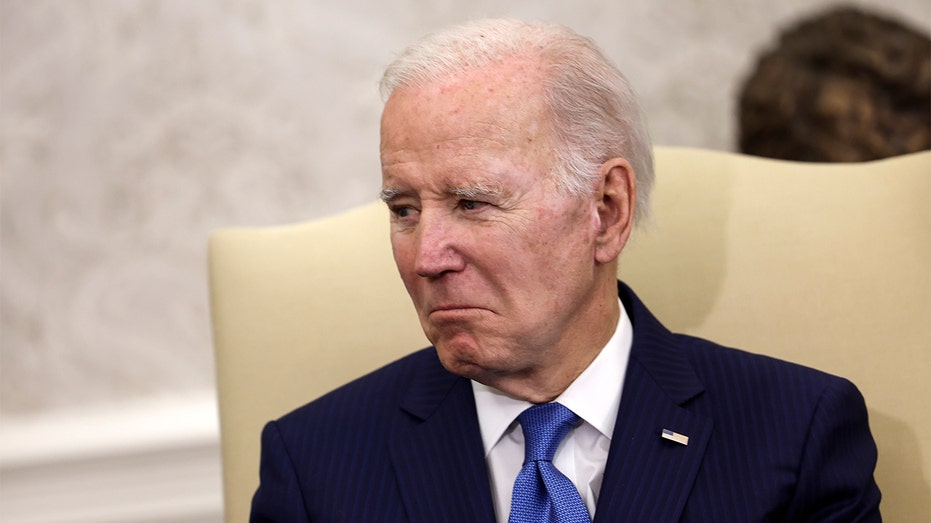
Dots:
pixel 541 492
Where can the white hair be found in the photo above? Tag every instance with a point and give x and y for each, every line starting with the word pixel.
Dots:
pixel 595 114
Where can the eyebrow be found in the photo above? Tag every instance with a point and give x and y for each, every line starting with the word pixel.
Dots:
pixel 389 193
pixel 477 190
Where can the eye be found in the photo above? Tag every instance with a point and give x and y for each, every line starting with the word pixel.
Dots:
pixel 402 211
pixel 471 205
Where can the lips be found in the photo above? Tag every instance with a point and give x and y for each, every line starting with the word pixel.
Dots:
pixel 452 307
pixel 450 310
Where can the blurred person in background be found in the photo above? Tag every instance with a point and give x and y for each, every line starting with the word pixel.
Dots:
pixel 843 86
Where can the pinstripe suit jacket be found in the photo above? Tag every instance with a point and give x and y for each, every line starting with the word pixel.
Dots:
pixel 768 441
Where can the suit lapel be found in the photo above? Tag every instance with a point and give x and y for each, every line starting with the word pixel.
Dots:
pixel 648 477
pixel 437 450
pixel 438 456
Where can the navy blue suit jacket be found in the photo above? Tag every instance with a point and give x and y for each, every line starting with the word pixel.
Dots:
pixel 768 441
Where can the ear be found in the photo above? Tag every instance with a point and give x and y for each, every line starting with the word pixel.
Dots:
pixel 617 196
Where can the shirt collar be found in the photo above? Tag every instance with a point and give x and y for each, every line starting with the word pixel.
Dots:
pixel 595 395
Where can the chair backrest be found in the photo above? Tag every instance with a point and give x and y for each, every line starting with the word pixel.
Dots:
pixel 828 265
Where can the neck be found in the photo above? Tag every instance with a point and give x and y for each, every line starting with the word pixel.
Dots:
pixel 575 352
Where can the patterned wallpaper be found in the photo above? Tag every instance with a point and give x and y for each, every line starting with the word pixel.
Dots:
pixel 131 129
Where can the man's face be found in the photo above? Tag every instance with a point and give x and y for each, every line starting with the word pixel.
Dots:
pixel 500 265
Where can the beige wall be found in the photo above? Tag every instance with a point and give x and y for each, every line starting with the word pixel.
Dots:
pixel 130 129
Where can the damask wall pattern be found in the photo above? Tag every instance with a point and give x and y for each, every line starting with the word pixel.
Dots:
pixel 131 129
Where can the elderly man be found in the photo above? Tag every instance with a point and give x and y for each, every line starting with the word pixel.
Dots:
pixel 515 163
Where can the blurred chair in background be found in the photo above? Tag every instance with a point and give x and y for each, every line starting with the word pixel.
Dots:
pixel 828 265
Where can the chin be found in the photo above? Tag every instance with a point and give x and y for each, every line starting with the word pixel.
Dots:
pixel 457 361
pixel 463 359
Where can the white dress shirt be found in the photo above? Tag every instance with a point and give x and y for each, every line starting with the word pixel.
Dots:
pixel 595 396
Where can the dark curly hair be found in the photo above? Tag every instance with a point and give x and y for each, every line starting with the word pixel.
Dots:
pixel 842 86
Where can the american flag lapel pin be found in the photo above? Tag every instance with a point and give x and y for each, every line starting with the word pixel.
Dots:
pixel 682 439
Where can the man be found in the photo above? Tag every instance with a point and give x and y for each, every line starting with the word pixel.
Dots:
pixel 514 164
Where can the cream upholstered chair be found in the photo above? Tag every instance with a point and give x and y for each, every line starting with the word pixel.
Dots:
pixel 827 265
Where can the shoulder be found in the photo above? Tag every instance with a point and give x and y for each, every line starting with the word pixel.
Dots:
pixel 781 426
pixel 348 424
pixel 306 453
pixel 700 364
pixel 746 391
pixel 738 371
pixel 369 397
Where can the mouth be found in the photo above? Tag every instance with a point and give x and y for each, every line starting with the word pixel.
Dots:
pixel 452 310
pixel 457 307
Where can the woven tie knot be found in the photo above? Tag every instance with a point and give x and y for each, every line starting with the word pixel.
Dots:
pixel 544 428
pixel 543 494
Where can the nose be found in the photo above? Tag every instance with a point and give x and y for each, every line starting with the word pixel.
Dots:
pixel 436 251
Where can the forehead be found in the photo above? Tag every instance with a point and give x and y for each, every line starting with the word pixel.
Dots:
pixel 491 117
pixel 502 98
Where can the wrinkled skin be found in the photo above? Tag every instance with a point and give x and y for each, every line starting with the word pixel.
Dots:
pixel 512 278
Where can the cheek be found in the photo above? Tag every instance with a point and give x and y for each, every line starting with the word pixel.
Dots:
pixel 562 236
pixel 563 254
pixel 403 252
